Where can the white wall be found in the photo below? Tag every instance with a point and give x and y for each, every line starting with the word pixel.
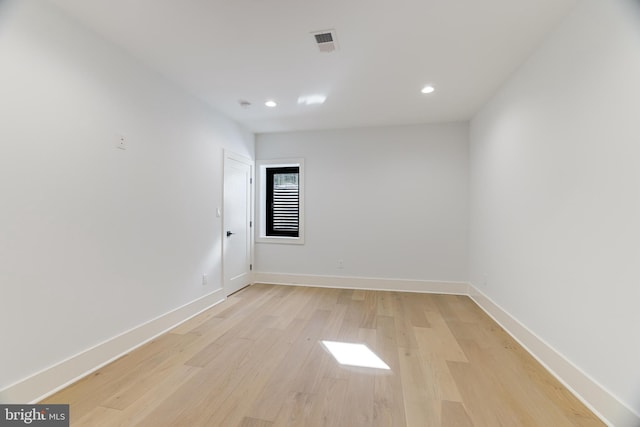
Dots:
pixel 96 240
pixel 391 202
pixel 555 195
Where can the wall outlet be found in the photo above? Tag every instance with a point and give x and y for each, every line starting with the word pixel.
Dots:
pixel 204 279
pixel 340 264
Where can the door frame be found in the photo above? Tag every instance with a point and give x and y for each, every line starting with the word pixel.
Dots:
pixel 250 233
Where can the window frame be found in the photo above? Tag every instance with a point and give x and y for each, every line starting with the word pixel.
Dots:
pixel 261 196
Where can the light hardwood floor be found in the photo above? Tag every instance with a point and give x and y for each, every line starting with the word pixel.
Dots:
pixel 256 360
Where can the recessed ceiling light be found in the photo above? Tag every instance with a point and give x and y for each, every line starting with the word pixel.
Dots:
pixel 428 89
pixel 312 99
pixel 270 103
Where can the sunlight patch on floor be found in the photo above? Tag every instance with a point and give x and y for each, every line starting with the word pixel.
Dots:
pixel 352 354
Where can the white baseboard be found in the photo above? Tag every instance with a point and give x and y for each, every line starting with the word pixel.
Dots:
pixel 604 404
pixel 50 380
pixel 364 283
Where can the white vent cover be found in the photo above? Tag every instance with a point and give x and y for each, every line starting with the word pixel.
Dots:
pixel 326 40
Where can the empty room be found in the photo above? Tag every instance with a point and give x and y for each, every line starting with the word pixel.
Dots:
pixel 293 213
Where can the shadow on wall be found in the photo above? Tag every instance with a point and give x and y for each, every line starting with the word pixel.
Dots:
pixel 634 12
pixel 5 11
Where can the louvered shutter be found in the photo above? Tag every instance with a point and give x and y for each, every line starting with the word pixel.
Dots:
pixel 283 201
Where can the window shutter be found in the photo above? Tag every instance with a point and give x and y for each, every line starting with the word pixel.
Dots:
pixel 283 201
pixel 285 208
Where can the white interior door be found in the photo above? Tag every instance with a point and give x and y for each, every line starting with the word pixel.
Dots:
pixel 236 246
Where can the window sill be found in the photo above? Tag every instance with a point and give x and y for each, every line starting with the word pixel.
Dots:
pixel 281 240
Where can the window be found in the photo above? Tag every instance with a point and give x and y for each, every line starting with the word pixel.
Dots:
pixel 281 201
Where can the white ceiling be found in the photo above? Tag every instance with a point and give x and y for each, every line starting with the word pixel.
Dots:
pixel 227 50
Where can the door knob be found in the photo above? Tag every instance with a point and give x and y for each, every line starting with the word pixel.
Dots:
pixel 229 233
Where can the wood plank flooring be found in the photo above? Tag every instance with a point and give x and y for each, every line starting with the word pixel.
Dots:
pixel 256 361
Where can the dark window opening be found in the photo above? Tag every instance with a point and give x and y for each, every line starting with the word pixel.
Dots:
pixel 283 201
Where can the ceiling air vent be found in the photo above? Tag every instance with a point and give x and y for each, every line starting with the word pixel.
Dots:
pixel 326 40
